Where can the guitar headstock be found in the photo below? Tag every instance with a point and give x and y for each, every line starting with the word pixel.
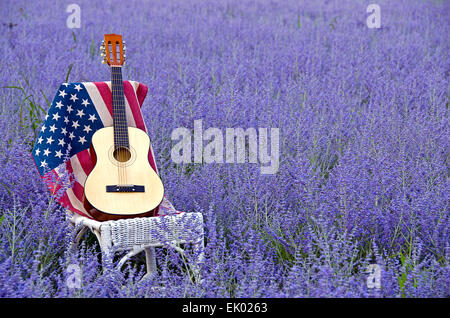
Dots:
pixel 113 50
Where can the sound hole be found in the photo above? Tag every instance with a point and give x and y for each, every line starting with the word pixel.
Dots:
pixel 122 154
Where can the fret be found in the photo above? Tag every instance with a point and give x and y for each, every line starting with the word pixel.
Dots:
pixel 119 112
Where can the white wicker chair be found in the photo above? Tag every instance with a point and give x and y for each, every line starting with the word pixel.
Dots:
pixel 144 234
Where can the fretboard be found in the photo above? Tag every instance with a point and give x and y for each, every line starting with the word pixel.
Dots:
pixel 119 113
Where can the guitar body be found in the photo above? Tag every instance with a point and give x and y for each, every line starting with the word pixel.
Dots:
pixel 122 183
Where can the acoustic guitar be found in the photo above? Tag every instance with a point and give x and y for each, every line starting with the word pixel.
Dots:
pixel 122 183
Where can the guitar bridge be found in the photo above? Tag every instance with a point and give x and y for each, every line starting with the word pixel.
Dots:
pixel 125 188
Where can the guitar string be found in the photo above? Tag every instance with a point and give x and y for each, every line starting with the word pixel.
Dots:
pixel 125 127
pixel 116 128
pixel 122 133
pixel 121 125
pixel 116 125
pixel 120 105
pixel 115 113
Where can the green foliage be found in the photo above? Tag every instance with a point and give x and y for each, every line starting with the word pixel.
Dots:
pixel 30 112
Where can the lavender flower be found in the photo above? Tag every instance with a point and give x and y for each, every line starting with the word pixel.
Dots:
pixel 363 119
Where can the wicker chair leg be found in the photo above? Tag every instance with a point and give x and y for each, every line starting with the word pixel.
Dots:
pixel 129 255
pixel 80 235
pixel 150 260
pixel 104 239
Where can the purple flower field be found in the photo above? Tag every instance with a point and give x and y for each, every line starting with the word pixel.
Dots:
pixel 364 149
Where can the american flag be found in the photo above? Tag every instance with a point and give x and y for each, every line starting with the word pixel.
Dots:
pixel 63 144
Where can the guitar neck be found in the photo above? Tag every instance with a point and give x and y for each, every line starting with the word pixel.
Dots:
pixel 119 113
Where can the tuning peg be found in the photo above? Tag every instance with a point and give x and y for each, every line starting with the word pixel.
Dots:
pixel 103 62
